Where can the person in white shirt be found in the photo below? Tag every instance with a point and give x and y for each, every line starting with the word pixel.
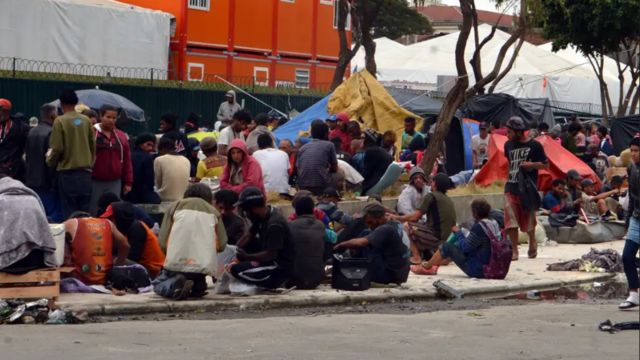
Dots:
pixel 411 196
pixel 480 146
pixel 171 171
pixel 274 164
pixel 241 120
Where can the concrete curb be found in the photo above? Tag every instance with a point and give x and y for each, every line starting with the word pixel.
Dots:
pixel 327 299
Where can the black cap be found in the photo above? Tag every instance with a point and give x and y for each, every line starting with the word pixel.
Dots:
pixel 516 123
pixel 251 197
pixel 573 175
pixel 587 182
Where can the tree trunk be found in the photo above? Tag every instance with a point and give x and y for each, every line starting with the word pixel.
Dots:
pixel 604 93
pixel 508 68
pixel 456 95
pixel 346 54
pixel 366 20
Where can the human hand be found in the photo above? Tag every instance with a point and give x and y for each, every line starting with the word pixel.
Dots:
pixel 126 189
pixel 526 165
pixel 455 228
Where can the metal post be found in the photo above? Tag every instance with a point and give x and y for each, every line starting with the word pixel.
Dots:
pixel 151 76
pixel 14 68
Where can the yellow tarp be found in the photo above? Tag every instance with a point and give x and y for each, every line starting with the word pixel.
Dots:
pixel 366 100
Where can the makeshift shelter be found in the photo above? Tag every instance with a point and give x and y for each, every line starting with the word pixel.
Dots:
pixel 623 130
pixel 302 122
pixel 416 102
pixel 560 162
pixel 458 145
pixel 501 107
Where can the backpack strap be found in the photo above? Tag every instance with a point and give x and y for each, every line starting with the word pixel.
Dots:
pixel 487 231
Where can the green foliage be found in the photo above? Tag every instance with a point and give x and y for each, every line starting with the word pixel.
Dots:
pixel 395 18
pixel 592 26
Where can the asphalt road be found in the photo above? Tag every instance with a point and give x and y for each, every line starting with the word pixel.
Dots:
pixel 532 331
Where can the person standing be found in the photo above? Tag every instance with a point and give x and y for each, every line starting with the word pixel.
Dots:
pixel 228 108
pixel 525 158
pixel 169 128
pixel 142 191
pixel 72 151
pixel 316 160
pixel 171 171
pixel 632 242
pixel 480 146
pixel 112 170
pixel 240 122
pixel 40 177
pixel 13 137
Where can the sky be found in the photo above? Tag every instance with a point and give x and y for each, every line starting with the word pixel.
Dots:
pixel 480 4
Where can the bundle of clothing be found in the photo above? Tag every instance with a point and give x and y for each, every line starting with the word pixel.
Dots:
pixel 607 260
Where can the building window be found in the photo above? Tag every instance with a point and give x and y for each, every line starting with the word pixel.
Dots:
pixel 289 1
pixel 261 76
pixel 200 4
pixel 326 2
pixel 302 78
pixel 336 11
pixel 195 72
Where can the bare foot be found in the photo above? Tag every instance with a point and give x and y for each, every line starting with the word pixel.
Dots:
pixel 533 252
pixel 515 256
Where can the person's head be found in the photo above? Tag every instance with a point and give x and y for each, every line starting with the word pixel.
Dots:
pixel 543 128
pixel 105 200
pixel 588 186
pixel 68 100
pixel 91 114
pixel 480 209
pixel 5 110
pixel 331 194
pixel 634 147
pixel 337 143
pixel 353 129
pixel 166 146
pixel 389 138
pixel 240 120
pixel 441 182
pixel 168 122
pixel 417 178
pixel 417 144
pixel 602 132
pixel 209 146
pixel 146 142
pixel 121 213
pixel 410 125
pixel 200 191
pixel 48 113
pixel 556 131
pixel 516 128
pixel 192 124
pixel 225 200
pixel 573 178
pixel 303 205
pixel 265 141
pixel 319 130
pixel 108 117
pixel 558 187
pixel 371 138
pixel 230 96
pixel 332 122
pixel 237 152
pixel 253 204
pixel 261 119
pixel 616 181
pixel 287 146
pixel 495 124
pixel 343 120
pixel 374 215
pixel 484 130
pixel 575 128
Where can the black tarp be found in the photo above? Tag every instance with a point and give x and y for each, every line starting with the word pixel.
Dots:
pixel 623 130
pixel 502 107
pixel 415 101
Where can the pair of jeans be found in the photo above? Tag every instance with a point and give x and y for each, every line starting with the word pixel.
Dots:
pixel 468 265
pixel 75 191
pixel 631 246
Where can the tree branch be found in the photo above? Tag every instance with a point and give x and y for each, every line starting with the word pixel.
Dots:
pixel 509 66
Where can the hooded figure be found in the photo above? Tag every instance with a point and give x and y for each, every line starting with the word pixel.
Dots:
pixel 411 196
pixel 238 175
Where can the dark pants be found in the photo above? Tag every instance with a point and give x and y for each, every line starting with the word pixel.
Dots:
pixel 451 251
pixel 52 206
pixel 268 276
pixel 75 191
pixel 380 271
pixel 165 284
pixel 629 262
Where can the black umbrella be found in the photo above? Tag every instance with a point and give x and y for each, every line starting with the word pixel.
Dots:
pixel 96 98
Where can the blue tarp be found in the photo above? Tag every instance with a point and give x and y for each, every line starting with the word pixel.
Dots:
pixel 302 122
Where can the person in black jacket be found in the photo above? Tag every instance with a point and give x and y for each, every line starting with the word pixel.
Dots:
pixel 376 160
pixel 13 137
pixel 169 128
pixel 142 191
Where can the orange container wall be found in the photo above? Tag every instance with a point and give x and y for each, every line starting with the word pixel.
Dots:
pixel 328 42
pixel 209 28
pixel 295 27
pixel 253 24
pixel 211 65
pixel 245 67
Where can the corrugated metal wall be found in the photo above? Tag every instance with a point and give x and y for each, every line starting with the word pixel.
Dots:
pixel 28 95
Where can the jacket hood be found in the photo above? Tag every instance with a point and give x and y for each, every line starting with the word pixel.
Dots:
pixel 238 144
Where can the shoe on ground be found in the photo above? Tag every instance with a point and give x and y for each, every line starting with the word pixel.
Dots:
pixel 632 301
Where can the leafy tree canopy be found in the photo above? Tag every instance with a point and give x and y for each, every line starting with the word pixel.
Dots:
pixel 395 18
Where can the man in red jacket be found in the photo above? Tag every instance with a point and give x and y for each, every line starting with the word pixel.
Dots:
pixel 112 171
pixel 340 130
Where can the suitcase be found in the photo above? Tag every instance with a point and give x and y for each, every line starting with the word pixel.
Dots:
pixel 353 274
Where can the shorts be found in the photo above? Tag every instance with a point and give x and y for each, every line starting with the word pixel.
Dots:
pixel 515 216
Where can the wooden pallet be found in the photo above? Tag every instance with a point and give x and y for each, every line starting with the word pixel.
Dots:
pixel 43 283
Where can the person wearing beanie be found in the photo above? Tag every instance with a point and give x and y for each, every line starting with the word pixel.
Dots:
pixel 413 193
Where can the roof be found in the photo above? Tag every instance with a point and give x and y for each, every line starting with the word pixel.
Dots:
pixel 443 13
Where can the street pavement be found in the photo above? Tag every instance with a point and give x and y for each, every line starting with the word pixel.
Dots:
pixel 532 331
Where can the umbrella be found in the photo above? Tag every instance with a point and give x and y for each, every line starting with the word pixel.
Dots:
pixel 96 98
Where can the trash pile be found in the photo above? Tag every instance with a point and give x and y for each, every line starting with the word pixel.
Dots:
pixel 15 311
pixel 607 260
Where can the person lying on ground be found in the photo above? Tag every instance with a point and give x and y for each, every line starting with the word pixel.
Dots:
pixel 308 242
pixel 225 200
pixel 390 255
pixel 90 242
pixel 192 236
pixel 144 246
pixel 242 170
pixel 470 252
pixel 594 204
pixel 213 164
pixel 413 193
pixel 441 217
pixel 265 254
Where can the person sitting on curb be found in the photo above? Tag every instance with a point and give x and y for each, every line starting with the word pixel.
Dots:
pixel 213 165
pixel 441 217
pixel 192 235
pixel 328 203
pixel 472 252
pixel 557 200
pixel 390 256
pixel 224 201
pixel 595 204
pixel 413 193
pixel 308 241
pixel 265 255
pixel 242 170
pixel 171 171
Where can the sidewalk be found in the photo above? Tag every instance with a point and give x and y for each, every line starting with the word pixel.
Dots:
pixel 524 275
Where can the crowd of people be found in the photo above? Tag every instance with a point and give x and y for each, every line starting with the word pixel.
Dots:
pixel 76 167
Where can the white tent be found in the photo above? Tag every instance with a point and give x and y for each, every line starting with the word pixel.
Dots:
pixel 47 34
pixel 536 73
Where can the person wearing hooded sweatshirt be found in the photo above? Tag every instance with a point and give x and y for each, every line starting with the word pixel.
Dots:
pixel 142 191
pixel 112 170
pixel 242 170
pixel 412 195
